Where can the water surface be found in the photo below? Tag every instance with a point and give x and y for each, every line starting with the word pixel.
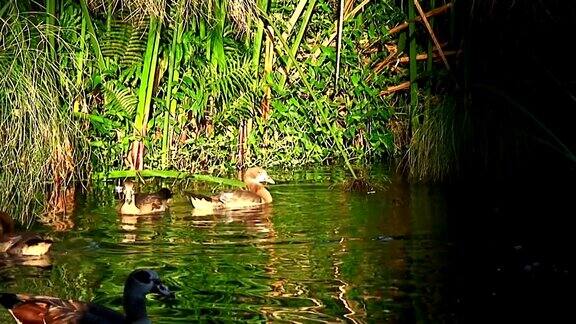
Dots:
pixel 317 254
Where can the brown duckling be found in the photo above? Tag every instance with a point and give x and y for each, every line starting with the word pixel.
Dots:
pixel 143 204
pixel 50 310
pixel 254 194
pixel 23 244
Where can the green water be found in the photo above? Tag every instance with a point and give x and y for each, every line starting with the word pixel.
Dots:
pixel 317 254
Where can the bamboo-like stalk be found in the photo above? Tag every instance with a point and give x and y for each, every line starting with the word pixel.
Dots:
pixel 83 52
pixel 429 63
pixel 431 13
pixel 294 18
pixel 173 65
pixel 336 139
pixel 92 33
pixel 145 92
pixel 268 61
pixel 51 26
pixel 300 35
pixel 80 62
pixel 413 67
pixel 347 15
pixel 217 55
pixel 431 33
pixel 257 48
pixel 339 43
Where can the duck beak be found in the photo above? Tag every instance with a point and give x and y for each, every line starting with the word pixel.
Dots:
pixel 128 195
pixel 162 290
pixel 264 178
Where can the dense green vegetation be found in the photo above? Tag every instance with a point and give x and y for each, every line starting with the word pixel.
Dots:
pixel 201 86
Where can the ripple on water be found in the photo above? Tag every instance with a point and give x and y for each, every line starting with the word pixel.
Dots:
pixel 311 256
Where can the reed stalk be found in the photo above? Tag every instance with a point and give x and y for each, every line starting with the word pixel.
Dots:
pixel 145 91
pixel 173 65
pixel 51 26
pixel 300 34
pixel 413 67
pixel 257 48
pixel 92 34
pixel 429 62
pixel 339 43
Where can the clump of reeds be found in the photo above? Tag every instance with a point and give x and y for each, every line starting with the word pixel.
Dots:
pixel 436 144
pixel 240 12
pixel 38 139
pixel 363 183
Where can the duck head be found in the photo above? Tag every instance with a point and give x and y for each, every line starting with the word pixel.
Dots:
pixel 144 281
pixel 257 175
pixel 165 193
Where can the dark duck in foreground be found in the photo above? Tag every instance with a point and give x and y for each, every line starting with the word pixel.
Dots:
pixel 254 194
pixel 143 204
pixel 21 244
pixel 50 310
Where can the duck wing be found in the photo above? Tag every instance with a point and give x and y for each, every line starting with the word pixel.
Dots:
pixel 46 310
pixel 155 202
pixel 239 199
pixel 230 199
pixel 199 201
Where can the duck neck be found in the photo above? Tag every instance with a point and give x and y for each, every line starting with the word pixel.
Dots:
pixel 261 191
pixel 129 206
pixel 135 308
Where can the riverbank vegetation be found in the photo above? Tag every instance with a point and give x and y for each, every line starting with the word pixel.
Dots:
pixel 98 88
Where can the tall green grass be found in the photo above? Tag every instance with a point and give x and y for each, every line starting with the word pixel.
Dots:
pixel 38 140
pixel 439 140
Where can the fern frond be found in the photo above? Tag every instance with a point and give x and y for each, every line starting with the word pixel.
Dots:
pixel 136 46
pixel 115 41
pixel 119 100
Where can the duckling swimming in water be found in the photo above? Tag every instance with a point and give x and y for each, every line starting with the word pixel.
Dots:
pixel 21 244
pixel 143 204
pixel 254 194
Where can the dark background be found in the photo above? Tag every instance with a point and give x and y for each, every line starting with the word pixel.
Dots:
pixel 511 209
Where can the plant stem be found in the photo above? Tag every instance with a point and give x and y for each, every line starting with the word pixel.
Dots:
pixel 145 90
pixel 339 43
pixel 337 140
pixel 170 110
pixel 51 26
pixel 93 39
pixel 257 49
pixel 301 31
pixel 82 55
pixel 413 115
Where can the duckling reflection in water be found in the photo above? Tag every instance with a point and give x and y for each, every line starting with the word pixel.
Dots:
pixel 141 203
pixel 256 219
pixel 131 225
pixel 40 261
